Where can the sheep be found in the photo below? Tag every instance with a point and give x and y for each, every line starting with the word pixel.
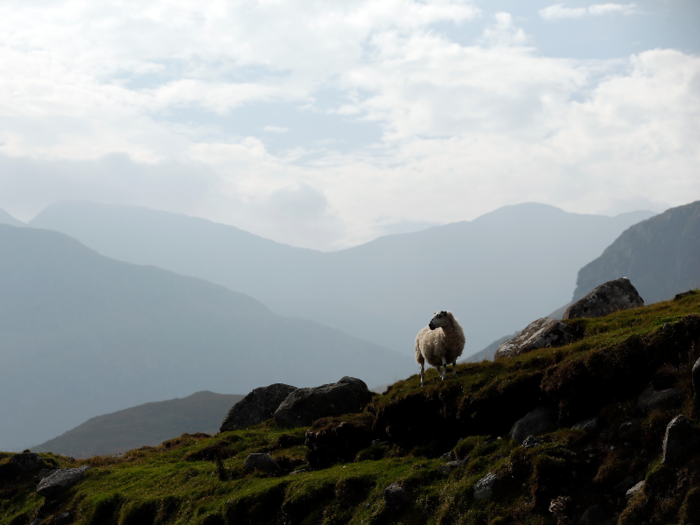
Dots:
pixel 440 343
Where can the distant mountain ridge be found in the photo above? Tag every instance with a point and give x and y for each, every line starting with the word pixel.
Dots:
pixel 660 256
pixel 6 218
pixel 383 291
pixel 83 335
pixel 147 424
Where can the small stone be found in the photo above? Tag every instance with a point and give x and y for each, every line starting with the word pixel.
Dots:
pixel 634 490
pixel 484 487
pixel 260 461
pixel 532 441
pixel 396 496
pixel 681 440
pixel 587 425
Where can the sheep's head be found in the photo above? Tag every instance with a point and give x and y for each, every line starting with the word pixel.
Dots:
pixel 442 318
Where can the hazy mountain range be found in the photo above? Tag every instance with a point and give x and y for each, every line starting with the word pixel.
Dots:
pixel 82 335
pixel 496 273
pixel 147 424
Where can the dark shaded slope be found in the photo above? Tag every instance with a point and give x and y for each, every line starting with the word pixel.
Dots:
pixel 83 335
pixel 661 256
pixel 496 273
pixel 147 424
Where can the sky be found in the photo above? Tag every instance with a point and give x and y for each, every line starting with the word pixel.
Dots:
pixel 325 124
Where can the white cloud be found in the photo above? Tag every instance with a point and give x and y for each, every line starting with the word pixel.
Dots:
pixel 558 11
pixel 90 97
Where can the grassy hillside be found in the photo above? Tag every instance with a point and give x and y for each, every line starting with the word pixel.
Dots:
pixel 200 479
pixel 147 424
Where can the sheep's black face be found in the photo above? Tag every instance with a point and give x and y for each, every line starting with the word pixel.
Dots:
pixel 440 319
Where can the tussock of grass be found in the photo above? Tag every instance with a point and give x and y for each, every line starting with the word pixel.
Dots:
pixel 200 478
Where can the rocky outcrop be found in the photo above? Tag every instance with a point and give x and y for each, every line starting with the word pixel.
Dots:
pixel 681 440
pixel 660 399
pixel 256 407
pixel 260 461
pixel 60 480
pixel 305 405
pixel 539 334
pixel 606 299
pixel 540 420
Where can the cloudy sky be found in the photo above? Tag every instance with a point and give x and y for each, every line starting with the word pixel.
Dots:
pixel 325 124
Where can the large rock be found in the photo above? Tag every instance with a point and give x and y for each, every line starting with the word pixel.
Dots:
pixel 535 422
pixel 606 299
pixel 60 480
pixel 538 334
pixel 660 399
pixel 682 439
pixel 305 405
pixel 256 407
pixel 26 461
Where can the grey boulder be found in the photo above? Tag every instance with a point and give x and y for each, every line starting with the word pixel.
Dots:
pixel 544 332
pixel 485 486
pixel 540 420
pixel 396 496
pixel 659 399
pixel 256 407
pixel 305 405
pixel 26 461
pixel 58 481
pixel 260 461
pixel 681 440
pixel 606 299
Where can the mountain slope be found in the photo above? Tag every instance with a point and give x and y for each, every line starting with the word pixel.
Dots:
pixel 660 255
pixel 147 424
pixel 6 218
pixel 495 273
pixel 82 335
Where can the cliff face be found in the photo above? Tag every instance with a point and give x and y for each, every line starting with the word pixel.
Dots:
pixel 661 256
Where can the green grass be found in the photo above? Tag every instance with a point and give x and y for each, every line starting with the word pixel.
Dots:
pixel 200 479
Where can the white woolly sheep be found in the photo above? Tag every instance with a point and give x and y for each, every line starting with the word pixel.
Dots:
pixel 440 344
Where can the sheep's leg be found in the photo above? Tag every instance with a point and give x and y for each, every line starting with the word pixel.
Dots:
pixel 422 372
pixel 454 369
pixel 443 372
